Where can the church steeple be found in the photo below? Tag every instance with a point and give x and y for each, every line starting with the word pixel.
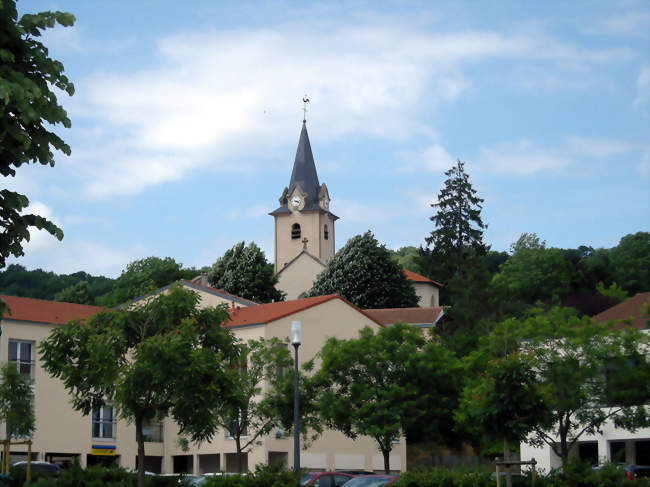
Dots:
pixel 304 171
pixel 303 221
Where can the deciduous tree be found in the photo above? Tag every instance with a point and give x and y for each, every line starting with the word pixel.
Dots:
pixel 79 293
pixel 244 271
pixel 162 358
pixel 262 369
pixel 364 273
pixel 381 383
pixel 16 402
pixel 589 374
pixel 144 276
pixel 28 110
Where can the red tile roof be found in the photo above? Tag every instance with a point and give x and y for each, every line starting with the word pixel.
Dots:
pixel 266 313
pixel 42 311
pixel 412 276
pixel 631 308
pixel 414 316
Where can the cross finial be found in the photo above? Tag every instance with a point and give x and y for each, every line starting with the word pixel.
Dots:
pixel 305 100
pixel 304 243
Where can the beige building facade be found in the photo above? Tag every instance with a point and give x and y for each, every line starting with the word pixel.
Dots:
pixel 63 434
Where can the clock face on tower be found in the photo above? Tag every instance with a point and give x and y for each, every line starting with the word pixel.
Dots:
pixel 295 201
pixel 325 204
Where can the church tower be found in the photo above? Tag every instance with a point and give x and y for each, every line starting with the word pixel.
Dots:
pixel 303 221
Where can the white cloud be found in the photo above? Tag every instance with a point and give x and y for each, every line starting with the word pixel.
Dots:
pixel 71 256
pixel 524 157
pixel 631 22
pixel 40 240
pixel 213 97
pixel 643 86
pixel 598 148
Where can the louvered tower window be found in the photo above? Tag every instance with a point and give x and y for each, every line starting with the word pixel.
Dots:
pixel 295 231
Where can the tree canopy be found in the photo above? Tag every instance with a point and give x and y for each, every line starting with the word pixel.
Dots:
pixel 380 384
pixel 260 375
pixel 29 110
pixel 144 276
pixel 16 402
pixel 364 273
pixel 164 357
pixel 586 373
pixel 244 271
pixel 458 224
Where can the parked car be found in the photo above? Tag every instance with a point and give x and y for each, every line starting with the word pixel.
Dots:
pixel 637 471
pixel 372 481
pixel 325 479
pixel 42 469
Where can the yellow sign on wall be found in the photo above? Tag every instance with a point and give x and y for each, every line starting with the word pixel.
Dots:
pixel 104 450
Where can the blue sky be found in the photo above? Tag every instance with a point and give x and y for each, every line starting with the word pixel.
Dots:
pixel 186 118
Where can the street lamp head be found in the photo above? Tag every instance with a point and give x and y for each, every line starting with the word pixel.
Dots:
pixel 296 333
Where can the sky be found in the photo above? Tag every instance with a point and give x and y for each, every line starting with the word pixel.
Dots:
pixel 186 118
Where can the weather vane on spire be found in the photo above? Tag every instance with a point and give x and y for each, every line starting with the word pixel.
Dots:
pixel 305 100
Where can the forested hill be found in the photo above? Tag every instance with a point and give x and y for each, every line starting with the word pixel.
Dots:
pixel 15 280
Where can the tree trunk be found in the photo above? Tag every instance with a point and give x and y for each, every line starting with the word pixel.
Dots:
pixel 140 440
pixel 386 454
pixel 506 457
pixel 239 458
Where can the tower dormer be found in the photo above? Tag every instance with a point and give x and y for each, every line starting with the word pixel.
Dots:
pixel 303 220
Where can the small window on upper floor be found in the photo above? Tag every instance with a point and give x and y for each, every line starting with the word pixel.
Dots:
pixel 295 231
pixel 326 232
pixel 103 421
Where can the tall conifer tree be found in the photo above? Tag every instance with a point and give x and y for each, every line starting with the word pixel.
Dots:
pixel 459 228
pixel 454 255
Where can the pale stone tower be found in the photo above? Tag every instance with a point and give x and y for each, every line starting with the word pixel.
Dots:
pixel 303 221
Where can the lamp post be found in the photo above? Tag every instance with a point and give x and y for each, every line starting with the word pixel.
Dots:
pixel 296 339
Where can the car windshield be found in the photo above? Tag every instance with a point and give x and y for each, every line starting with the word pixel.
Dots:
pixel 305 480
pixel 368 482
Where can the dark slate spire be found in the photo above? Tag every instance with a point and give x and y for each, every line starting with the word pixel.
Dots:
pixel 304 171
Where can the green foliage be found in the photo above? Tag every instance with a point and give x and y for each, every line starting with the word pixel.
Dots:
pixel 614 291
pixel 164 357
pixel 571 358
pixel 439 477
pixel 572 474
pixel 533 272
pixel 494 259
pixel 505 400
pixel 80 293
pixel 364 273
pixel 380 384
pixel 630 262
pixel 251 412
pixel 97 476
pixel 15 280
pixel 16 402
pixel 244 271
pixel 408 258
pixel 458 226
pixel 262 477
pixel 142 277
pixel 29 108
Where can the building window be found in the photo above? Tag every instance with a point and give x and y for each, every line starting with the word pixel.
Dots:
pixel 295 231
pixel 238 425
pixel 103 422
pixel 326 232
pixel 152 431
pixel 22 354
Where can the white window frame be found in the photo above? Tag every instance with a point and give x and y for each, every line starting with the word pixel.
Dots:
pixel 103 422
pixel 20 360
